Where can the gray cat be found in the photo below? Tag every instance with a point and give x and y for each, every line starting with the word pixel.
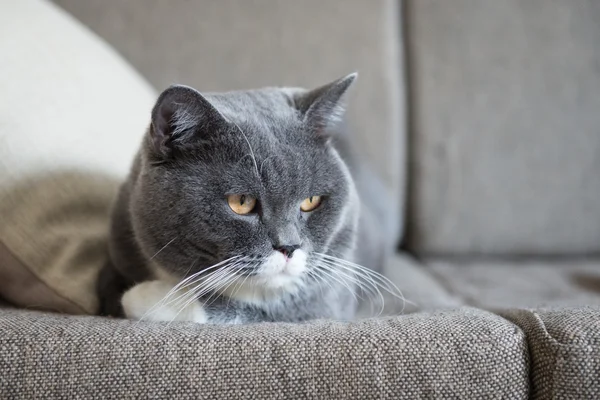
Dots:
pixel 243 207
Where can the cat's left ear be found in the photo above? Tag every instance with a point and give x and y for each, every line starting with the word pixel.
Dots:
pixel 324 107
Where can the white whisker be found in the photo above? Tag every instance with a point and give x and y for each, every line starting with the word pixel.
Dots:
pixel 226 280
pixel 262 164
pixel 389 285
pixel 181 286
pixel 341 282
pixel 222 288
pixel 162 248
pixel 376 279
pixel 199 277
pixel 362 285
pixel 195 297
pixel 236 290
pixel 205 283
pixel 250 147
pixel 198 274
pixel 198 284
pixel 319 280
pixel 210 282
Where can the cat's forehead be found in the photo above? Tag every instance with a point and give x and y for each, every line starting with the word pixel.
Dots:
pixel 262 106
pixel 267 118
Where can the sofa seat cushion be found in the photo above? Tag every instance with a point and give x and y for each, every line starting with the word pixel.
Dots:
pixel 462 353
pixel 496 284
pixel 420 289
pixel 564 346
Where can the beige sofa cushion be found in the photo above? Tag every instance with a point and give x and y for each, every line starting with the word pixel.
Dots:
pixel 72 114
pixel 564 345
pixel 506 128
pixel 466 354
pixel 497 284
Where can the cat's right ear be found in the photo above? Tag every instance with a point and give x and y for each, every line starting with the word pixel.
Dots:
pixel 179 116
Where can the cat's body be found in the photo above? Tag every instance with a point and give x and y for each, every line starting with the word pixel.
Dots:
pixel 177 216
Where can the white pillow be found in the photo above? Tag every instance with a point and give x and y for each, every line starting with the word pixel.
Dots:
pixel 72 114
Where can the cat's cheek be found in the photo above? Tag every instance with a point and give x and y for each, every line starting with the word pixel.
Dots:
pixel 139 304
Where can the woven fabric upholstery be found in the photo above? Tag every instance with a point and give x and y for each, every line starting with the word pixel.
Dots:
pixel 465 353
pixel 504 127
pixel 565 351
pixel 533 283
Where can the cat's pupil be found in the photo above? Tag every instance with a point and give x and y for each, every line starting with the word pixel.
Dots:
pixel 242 200
pixel 310 199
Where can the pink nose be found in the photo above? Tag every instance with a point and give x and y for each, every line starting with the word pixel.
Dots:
pixel 288 250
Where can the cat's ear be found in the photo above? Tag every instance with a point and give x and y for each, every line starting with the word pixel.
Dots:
pixel 179 115
pixel 324 107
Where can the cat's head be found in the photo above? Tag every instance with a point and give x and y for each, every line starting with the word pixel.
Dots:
pixel 247 179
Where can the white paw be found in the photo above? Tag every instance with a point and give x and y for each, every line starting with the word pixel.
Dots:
pixel 147 301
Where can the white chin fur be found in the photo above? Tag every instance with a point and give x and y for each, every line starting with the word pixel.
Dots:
pixel 275 277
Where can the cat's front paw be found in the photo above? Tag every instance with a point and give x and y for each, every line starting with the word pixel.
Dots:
pixel 148 301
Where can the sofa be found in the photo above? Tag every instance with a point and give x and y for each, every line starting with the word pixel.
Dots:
pixel 480 116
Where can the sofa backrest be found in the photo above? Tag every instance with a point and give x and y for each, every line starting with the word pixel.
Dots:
pixel 505 126
pixel 231 44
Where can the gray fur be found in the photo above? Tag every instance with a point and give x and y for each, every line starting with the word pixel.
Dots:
pixel 274 144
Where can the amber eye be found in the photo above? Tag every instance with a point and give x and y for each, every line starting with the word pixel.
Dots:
pixel 241 203
pixel 310 203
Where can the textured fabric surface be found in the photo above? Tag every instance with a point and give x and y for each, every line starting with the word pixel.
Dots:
pixel 421 290
pixel 72 113
pixel 505 143
pixel 231 45
pixel 453 354
pixel 23 288
pixel 520 283
pixel 564 345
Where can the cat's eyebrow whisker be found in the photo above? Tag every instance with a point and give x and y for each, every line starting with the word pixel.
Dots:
pixel 262 164
pixel 250 147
